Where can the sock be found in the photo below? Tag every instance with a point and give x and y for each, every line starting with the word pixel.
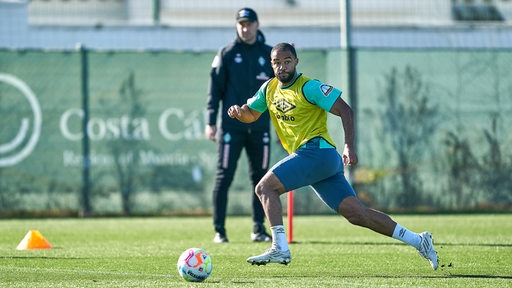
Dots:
pixel 406 236
pixel 279 240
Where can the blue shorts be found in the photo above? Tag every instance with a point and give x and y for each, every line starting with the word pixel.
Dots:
pixel 322 168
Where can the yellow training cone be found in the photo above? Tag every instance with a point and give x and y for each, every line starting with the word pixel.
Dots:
pixel 33 240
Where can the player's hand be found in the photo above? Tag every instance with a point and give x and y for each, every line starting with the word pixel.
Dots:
pixel 234 111
pixel 349 156
pixel 210 132
pixel 243 113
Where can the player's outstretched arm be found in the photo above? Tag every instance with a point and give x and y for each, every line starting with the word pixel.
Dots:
pixel 243 113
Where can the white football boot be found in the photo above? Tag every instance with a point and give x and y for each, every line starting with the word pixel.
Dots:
pixel 272 255
pixel 426 249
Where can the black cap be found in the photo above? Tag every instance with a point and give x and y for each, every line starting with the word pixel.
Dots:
pixel 246 14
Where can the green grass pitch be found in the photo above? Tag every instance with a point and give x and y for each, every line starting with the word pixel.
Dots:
pixel 474 251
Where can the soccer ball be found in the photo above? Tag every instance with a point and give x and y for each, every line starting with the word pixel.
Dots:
pixel 195 265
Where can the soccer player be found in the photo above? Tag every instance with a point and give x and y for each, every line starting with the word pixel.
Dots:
pixel 238 70
pixel 298 108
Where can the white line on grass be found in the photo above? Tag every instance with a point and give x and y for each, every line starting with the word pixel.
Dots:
pixel 37 269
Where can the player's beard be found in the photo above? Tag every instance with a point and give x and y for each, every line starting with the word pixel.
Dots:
pixel 286 78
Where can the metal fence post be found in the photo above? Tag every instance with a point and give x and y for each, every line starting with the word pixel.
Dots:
pixel 86 184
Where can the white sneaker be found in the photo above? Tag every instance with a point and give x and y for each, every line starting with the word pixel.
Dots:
pixel 427 249
pixel 220 238
pixel 272 255
pixel 260 237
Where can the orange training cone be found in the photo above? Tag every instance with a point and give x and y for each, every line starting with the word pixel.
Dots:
pixel 33 240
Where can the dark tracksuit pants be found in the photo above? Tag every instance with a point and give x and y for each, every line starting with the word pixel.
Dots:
pixel 231 144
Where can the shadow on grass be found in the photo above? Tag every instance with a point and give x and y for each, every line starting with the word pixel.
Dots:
pixel 42 257
pixel 449 276
pixel 422 276
pixel 446 276
pixel 475 244
pixel 479 276
pixel 437 244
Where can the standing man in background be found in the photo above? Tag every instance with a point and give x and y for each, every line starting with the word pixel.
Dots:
pixel 238 70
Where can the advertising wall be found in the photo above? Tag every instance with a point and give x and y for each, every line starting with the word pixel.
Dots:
pixel 433 131
pixel 145 126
